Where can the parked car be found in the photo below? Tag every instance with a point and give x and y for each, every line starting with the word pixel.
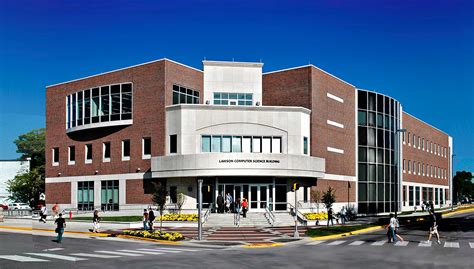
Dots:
pixel 4 206
pixel 17 206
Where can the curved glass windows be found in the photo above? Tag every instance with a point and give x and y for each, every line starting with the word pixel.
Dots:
pixel 101 104
pixel 378 120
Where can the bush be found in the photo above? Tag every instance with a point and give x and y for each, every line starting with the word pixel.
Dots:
pixel 178 217
pixel 155 235
pixel 316 216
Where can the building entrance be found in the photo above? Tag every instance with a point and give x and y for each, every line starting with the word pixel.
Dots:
pixel 259 196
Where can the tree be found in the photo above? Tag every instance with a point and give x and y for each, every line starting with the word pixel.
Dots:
pixel 27 186
pixel 316 198
pixel 329 198
pixel 463 185
pixel 159 199
pixel 181 199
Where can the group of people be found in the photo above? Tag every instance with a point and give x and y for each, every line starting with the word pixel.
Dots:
pixel 393 228
pixel 148 219
pixel 44 212
pixel 342 216
pixel 228 205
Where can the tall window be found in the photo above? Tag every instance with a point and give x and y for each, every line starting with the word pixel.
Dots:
pixel 182 95
pixel 206 143
pixel 105 98
pixel 88 153
pixel 305 145
pixel 106 152
pixel 95 105
pixel 115 102
pixel 173 143
pixel 55 157
pixel 146 148
pixel 72 155
pixel 125 150
pixel 410 196
pixel 85 195
pixel 109 195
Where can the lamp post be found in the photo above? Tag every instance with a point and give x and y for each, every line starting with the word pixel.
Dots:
pixel 199 209
pixel 398 154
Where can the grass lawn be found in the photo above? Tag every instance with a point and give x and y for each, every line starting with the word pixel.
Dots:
pixel 323 231
pixel 113 218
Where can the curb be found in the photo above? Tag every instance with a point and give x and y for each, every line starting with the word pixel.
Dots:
pixel 263 245
pixel 53 231
pixel 365 230
pixel 457 212
pixel 149 239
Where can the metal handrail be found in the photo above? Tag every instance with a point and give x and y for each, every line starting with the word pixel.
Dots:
pixel 206 214
pixel 300 216
pixel 269 215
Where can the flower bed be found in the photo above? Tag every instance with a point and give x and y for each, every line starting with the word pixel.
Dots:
pixel 316 216
pixel 155 235
pixel 178 217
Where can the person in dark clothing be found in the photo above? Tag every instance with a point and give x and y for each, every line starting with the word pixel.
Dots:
pixel 220 204
pixel 330 217
pixel 96 222
pixel 434 227
pixel 60 225
pixel 151 218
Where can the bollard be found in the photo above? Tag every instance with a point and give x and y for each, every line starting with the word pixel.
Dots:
pixel 70 215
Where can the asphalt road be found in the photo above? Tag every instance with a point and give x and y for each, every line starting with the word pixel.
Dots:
pixel 361 251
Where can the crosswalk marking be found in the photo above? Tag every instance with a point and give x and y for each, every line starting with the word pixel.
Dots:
pixel 91 255
pixel 378 243
pixel 401 243
pixel 315 243
pixel 119 253
pixel 425 244
pixel 471 245
pixel 337 242
pixel 57 256
pixel 19 258
pixel 160 250
pixel 356 243
pixel 451 245
pixel 141 252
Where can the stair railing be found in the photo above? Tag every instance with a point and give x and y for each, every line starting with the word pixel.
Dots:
pixel 206 214
pixel 300 216
pixel 269 215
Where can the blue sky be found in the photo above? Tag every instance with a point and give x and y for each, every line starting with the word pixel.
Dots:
pixel 419 52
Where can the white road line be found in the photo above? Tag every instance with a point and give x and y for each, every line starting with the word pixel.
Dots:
pixel 451 245
pixel 91 255
pixel 119 253
pixel 378 243
pixel 401 243
pixel 471 245
pixel 315 243
pixel 57 256
pixel 356 243
pixel 53 249
pixel 187 249
pixel 337 242
pixel 425 244
pixel 159 250
pixel 141 252
pixel 19 258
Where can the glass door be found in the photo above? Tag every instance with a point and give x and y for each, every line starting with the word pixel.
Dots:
pixel 258 197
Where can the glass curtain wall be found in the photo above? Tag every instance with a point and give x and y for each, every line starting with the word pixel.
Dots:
pixel 378 120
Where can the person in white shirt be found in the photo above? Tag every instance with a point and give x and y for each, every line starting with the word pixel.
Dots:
pixel 391 229
pixel 43 214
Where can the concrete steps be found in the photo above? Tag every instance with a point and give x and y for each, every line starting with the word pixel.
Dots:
pixel 247 234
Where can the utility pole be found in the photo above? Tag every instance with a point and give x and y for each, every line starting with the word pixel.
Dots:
pixel 296 234
pixel 199 209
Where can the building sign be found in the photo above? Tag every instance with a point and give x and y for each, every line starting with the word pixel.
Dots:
pixel 248 161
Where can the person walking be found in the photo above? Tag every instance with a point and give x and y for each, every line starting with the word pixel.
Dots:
pixel 245 206
pixel 343 215
pixel 60 225
pixel 220 203
pixel 434 227
pixel 55 209
pixel 228 202
pixel 145 219
pixel 391 229
pixel 96 222
pixel 330 217
pixel 43 214
pixel 423 206
pixel 151 218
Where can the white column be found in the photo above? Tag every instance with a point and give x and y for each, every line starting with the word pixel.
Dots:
pixel 74 194
pixel 97 191
pixel 122 192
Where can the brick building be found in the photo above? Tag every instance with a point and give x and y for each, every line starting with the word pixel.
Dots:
pixel 110 136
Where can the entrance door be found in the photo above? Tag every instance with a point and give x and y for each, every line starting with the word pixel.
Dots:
pixel 258 197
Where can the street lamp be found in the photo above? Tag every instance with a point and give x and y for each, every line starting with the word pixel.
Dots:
pixel 398 154
pixel 199 209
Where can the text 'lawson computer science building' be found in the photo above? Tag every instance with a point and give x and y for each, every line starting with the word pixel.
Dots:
pixel 251 134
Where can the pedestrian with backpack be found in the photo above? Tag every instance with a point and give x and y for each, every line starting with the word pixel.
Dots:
pixel 60 225
pixel 151 218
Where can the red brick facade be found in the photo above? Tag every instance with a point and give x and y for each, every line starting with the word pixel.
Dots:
pixel 343 192
pixel 58 193
pixel 135 193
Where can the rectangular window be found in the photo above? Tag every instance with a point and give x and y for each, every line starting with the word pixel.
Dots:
pixel 236 144
pixel 88 153
pixel 246 144
pixel 417 196
pixel 266 144
pixel 305 145
pixel 68 111
pixel 126 101
pixel 241 99
pixel 206 143
pixel 216 142
pixel 87 106
pixel 182 95
pixel 276 145
pixel 115 102
pixel 408 138
pixel 174 194
pixel 79 108
pixel 106 152
pixel 72 155
pixel 125 150
pixel 226 144
pixel 409 166
pixel 85 195
pixel 74 112
pixel 55 157
pixel 95 105
pixel 146 148
pixel 174 143
pixel 404 163
pixel 110 195
pixel 410 195
pixel 256 144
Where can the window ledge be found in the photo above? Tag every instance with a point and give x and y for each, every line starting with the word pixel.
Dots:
pixel 126 158
pixel 71 163
pixel 55 164
pixel 88 161
pixel 146 157
pixel 106 160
